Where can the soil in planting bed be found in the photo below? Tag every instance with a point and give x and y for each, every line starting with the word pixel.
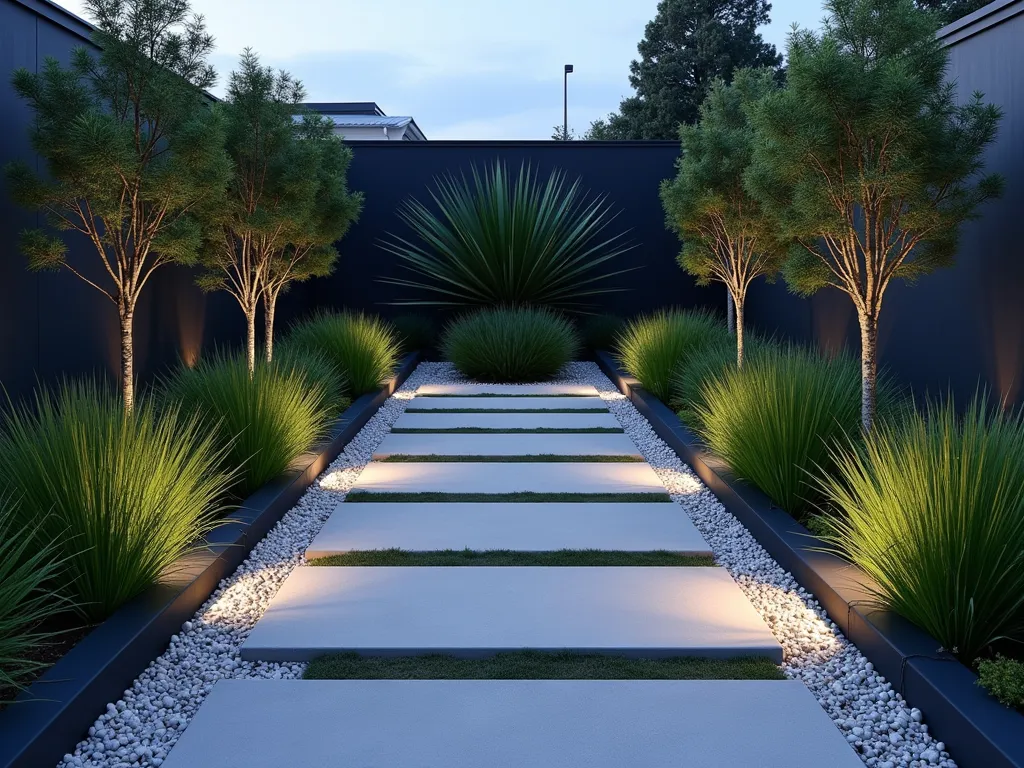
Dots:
pixel 538 665
pixel 67 630
pixel 504 557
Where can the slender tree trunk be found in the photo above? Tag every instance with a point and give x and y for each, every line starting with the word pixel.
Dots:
pixel 127 360
pixel 739 301
pixel 730 311
pixel 868 366
pixel 250 340
pixel 269 305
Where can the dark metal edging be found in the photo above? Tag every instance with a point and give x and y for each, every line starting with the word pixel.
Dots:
pixel 54 713
pixel 978 730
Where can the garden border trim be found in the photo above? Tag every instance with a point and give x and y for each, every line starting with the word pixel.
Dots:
pixel 978 731
pixel 53 714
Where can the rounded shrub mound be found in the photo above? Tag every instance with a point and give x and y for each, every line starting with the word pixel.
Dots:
pixel 123 495
pixel 652 346
pixel 363 347
pixel 262 423
pixel 932 508
pixel 778 419
pixel 510 345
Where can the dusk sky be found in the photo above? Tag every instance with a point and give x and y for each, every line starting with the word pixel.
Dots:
pixel 464 69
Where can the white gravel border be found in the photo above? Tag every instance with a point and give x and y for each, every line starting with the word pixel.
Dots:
pixel 141 728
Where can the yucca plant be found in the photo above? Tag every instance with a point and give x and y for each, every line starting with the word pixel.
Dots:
pixel 651 347
pixel 505 239
pixel 28 569
pixel 363 347
pixel 778 419
pixel 123 494
pixel 510 345
pixel 933 510
pixel 261 423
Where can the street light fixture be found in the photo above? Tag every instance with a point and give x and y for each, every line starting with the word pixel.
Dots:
pixel 565 102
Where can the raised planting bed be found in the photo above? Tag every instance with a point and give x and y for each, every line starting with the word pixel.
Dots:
pixel 978 730
pixel 51 715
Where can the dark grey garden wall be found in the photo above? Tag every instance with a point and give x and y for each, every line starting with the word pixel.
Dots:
pixel 52 324
pixel 963 326
pixel 627 172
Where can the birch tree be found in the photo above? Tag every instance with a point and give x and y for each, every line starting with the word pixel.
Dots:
pixel 726 235
pixel 131 152
pixel 867 161
pixel 323 215
pixel 269 192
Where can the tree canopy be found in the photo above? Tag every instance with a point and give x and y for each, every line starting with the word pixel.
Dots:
pixel 685 47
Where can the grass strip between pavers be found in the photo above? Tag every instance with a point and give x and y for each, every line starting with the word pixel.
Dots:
pixel 505 410
pixel 539 665
pixel 505 498
pixel 538 458
pixel 512 431
pixel 597 558
pixel 500 394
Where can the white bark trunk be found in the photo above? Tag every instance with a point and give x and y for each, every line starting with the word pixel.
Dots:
pixel 269 305
pixel 730 311
pixel 868 368
pixel 739 330
pixel 250 341
pixel 127 361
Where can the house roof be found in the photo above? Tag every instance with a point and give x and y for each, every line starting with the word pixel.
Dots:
pixel 345 108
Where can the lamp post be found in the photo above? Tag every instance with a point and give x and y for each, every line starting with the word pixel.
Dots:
pixel 565 102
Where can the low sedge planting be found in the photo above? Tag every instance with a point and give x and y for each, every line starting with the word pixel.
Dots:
pixel 262 423
pixel 653 346
pixel 777 420
pixel 510 345
pixel 317 368
pixel 933 510
pixel 28 569
pixel 363 347
pixel 122 495
pixel 689 378
pixel 538 665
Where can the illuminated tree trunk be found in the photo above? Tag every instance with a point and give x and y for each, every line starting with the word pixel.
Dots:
pixel 739 300
pixel 250 339
pixel 730 311
pixel 127 359
pixel 868 366
pixel 269 305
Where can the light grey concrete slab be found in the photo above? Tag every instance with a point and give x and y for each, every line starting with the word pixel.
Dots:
pixel 509 403
pixel 455 444
pixel 522 527
pixel 507 421
pixel 493 477
pixel 478 611
pixel 507 389
pixel 512 724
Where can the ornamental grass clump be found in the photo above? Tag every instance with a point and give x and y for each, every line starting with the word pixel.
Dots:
pixel 261 423
pixel 124 495
pixel 28 569
pixel 317 368
pixel 933 510
pixel 363 347
pixel 510 345
pixel 500 238
pixel 652 346
pixel 777 420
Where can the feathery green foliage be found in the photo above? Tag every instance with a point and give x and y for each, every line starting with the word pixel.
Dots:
pixel 28 567
pixel 416 332
pixel 727 237
pixel 779 418
pixel 131 151
pixel 933 510
pixel 123 494
pixel 261 422
pixel 363 347
pixel 598 332
pixel 866 160
pixel 510 345
pixel 500 239
pixel 652 346
pixel 1004 679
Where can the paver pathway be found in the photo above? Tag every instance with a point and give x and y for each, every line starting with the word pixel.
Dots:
pixel 476 611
